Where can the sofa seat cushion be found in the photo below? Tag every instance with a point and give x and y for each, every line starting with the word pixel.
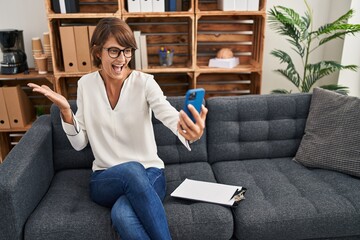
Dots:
pixel 286 200
pixel 67 212
pixel 191 219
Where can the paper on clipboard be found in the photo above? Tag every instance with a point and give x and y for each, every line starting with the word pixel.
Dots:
pixel 223 194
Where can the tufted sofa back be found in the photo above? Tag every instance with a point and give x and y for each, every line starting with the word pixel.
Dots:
pixel 170 149
pixel 255 127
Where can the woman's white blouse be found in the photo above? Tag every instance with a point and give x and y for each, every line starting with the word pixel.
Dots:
pixel 124 133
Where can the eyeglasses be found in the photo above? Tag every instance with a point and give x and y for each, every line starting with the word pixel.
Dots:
pixel 115 52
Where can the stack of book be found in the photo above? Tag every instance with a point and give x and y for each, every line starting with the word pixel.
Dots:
pixel 238 5
pixel 141 58
pixel 157 5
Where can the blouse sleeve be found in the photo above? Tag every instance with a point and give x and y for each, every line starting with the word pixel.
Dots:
pixel 76 132
pixel 162 109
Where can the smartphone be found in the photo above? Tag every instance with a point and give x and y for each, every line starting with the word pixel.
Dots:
pixel 194 97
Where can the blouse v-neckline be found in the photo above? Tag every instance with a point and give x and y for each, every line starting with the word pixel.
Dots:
pixel 120 93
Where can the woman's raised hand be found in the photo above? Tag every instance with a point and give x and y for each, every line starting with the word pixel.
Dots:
pixel 56 98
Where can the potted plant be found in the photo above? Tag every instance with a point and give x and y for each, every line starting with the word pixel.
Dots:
pixel 304 40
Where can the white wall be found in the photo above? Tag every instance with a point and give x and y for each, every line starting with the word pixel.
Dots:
pixel 26 15
pixel 351 55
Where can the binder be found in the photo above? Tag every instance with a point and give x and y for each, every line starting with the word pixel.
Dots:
pixel 241 5
pixel 82 48
pixel 68 48
pixel 223 194
pixel 4 119
pixel 20 110
pixel 133 5
pixel 226 5
pixel 144 56
pixel 137 51
pixel 253 5
pixel 65 6
pixel 90 33
pixel 146 5
pixel 158 5
pixel 172 5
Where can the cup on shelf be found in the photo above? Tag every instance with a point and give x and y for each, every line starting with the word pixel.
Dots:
pixel 36 44
pixel 166 57
pixel 46 38
pixel 42 63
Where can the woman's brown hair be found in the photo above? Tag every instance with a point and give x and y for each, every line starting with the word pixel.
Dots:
pixel 106 28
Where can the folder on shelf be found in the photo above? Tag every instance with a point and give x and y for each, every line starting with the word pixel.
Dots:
pixel 65 6
pixel 90 33
pixel 172 5
pixel 133 5
pixel 4 119
pixel 226 5
pixel 146 5
pixel 68 46
pixel 144 56
pixel 82 48
pixel 223 194
pixel 241 5
pixel 253 5
pixel 158 5
pixel 19 107
pixel 137 51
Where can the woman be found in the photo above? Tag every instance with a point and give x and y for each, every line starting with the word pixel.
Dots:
pixel 114 116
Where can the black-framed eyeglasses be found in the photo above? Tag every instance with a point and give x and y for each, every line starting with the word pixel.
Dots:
pixel 115 52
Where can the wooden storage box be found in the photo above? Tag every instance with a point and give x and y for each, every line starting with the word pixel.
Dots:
pixel 236 32
pixel 228 84
pixel 174 33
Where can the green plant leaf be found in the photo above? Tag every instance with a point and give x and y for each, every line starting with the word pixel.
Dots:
pixel 321 69
pixel 290 72
pixel 339 31
pixel 280 91
pixel 288 23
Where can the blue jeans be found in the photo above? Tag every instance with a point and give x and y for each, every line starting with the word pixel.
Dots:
pixel 135 196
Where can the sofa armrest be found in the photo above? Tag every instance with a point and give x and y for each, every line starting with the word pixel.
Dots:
pixel 25 177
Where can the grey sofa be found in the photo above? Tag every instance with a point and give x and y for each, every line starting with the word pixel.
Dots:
pixel 249 141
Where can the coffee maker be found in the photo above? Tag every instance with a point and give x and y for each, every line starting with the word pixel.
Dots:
pixel 13 52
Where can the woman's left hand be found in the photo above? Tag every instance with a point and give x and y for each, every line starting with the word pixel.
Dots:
pixel 187 128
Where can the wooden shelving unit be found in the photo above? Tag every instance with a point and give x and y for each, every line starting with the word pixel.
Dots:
pixel 195 33
pixel 9 137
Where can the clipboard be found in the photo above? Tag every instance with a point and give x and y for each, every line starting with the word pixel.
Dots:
pixel 223 194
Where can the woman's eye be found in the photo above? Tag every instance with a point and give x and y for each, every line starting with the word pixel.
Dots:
pixel 114 51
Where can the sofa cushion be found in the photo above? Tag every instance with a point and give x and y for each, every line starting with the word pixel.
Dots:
pixel 286 200
pixel 253 126
pixel 170 149
pixel 67 212
pixel 193 220
pixel 65 156
pixel 332 133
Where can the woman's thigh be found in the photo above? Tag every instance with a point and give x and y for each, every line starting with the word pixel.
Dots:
pixel 106 186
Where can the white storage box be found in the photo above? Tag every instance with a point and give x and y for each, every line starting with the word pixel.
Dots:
pixel 224 62
pixel 226 5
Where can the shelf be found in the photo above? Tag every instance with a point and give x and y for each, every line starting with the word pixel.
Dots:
pixel 233 13
pixel 32 74
pixel 23 129
pixel 80 15
pixel 238 69
pixel 195 34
